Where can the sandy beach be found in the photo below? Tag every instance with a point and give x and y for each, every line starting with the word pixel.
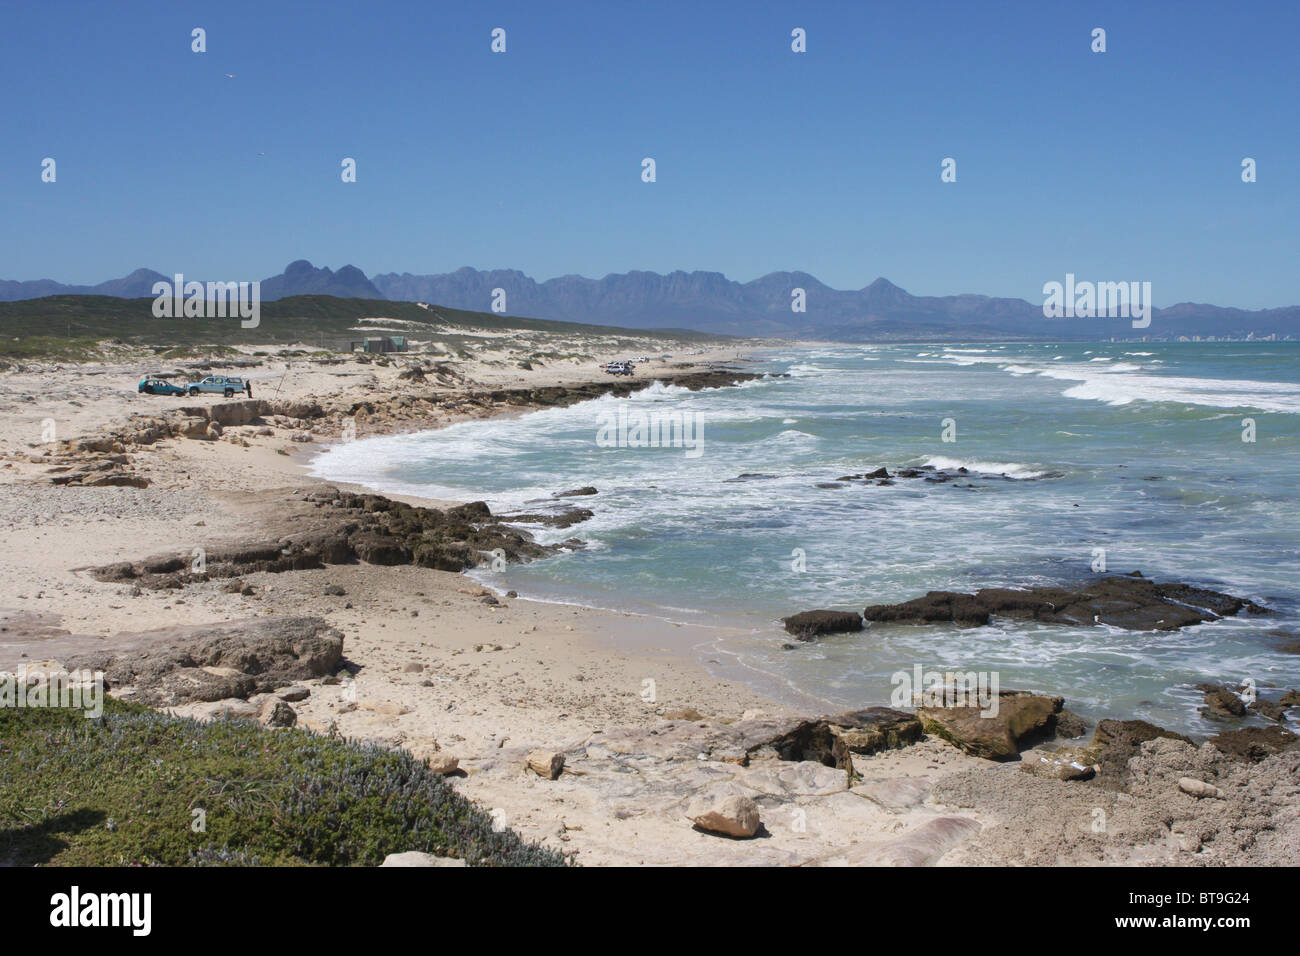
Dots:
pixel 477 680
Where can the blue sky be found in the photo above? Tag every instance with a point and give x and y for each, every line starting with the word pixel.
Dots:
pixel 1117 166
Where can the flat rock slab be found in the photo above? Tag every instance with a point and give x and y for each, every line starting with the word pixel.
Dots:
pixel 1131 602
pixel 896 793
pixel 805 778
pixel 924 846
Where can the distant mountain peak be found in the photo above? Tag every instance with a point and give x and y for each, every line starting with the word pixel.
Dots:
pixel 710 302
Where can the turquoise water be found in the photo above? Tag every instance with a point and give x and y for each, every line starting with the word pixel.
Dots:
pixel 1132 448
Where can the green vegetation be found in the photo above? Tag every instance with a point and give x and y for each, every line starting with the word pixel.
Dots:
pixel 321 320
pixel 121 790
pixel 49 348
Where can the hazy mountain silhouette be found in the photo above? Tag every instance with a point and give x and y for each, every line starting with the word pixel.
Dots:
pixel 710 302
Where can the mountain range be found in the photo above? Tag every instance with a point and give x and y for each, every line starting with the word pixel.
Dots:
pixel 710 302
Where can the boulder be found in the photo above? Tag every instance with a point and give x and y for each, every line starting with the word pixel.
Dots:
pixel 546 763
pixel 237 412
pixel 732 815
pixel 995 733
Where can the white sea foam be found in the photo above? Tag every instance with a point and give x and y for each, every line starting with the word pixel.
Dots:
pixel 1122 389
pixel 1009 468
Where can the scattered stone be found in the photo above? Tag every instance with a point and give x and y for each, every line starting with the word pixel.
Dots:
pixel 733 815
pixel 276 713
pixel 1199 788
pixel 416 858
pixel 546 763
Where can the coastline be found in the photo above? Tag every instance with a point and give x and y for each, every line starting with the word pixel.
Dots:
pixel 441 671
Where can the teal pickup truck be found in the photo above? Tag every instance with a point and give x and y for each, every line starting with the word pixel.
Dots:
pixel 223 384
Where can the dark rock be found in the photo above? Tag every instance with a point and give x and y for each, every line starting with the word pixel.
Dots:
pixel 1273 710
pixel 1253 744
pixel 1129 602
pixel 832 740
pixel 946 607
pixel 556 519
pixel 1115 742
pixel 1221 703
pixel 577 492
pixel 341 527
pixel 1070 725
pixel 808 625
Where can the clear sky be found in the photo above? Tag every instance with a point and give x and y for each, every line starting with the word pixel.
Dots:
pixel 1116 166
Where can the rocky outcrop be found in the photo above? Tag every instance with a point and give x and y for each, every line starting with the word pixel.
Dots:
pixel 1115 742
pixel 1220 702
pixel 340 527
pixel 1131 602
pixel 1253 744
pixel 562 518
pixel 809 625
pixel 833 740
pixel 217 662
pixel 963 477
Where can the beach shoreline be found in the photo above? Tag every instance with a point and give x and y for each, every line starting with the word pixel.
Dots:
pixel 451 670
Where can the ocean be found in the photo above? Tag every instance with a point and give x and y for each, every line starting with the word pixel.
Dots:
pixel 1179 460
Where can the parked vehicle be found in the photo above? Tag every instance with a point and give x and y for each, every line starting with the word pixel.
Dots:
pixel 158 386
pixel 226 385
pixel 619 368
